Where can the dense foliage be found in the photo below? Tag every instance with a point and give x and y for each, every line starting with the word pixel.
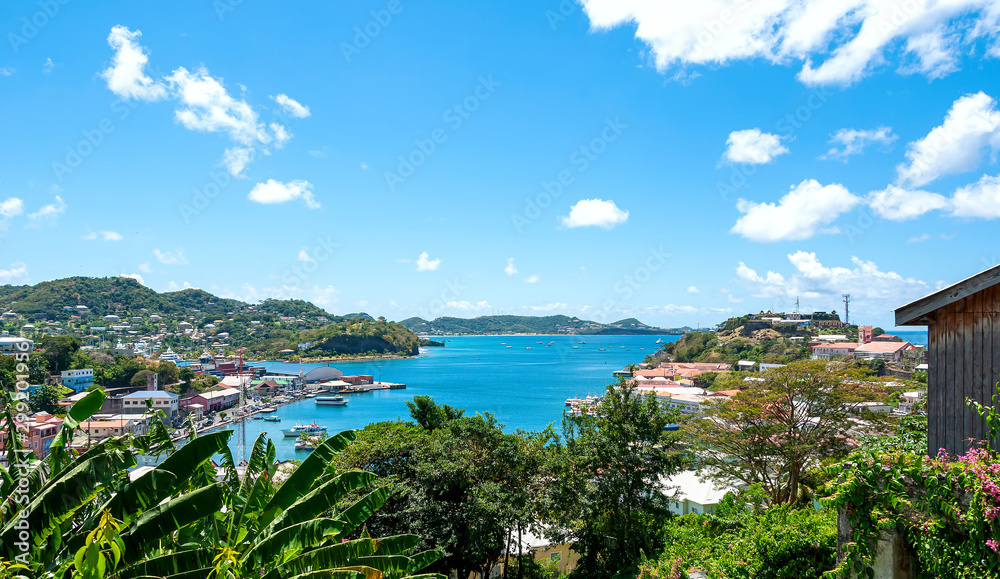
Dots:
pixel 945 507
pixel 744 539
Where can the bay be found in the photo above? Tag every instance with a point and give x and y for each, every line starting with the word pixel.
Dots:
pixel 525 386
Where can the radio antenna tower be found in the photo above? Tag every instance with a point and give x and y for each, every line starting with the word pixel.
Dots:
pixel 847 309
pixel 796 304
pixel 241 411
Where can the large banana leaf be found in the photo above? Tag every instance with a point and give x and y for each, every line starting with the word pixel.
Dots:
pixel 260 458
pixel 172 564
pixel 396 545
pixel 422 560
pixel 331 557
pixel 289 542
pixel 300 481
pixel 390 565
pixel 82 410
pixel 321 499
pixel 338 574
pixel 141 536
pixel 254 503
pixel 60 501
pixel 358 513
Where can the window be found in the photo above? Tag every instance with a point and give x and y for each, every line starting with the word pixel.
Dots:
pixel 555 557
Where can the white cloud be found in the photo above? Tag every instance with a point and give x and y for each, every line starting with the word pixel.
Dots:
pixel 204 104
pixel 919 238
pixel 11 207
pixel 90 236
pixel 848 39
pixel 980 199
pixel 7 71
pixel 144 268
pixel 510 269
pixel 174 286
pixel 304 256
pixel 292 106
pixel 467 306
pixel 236 159
pixel 273 192
pixel 364 165
pixel 134 276
pixel 208 107
pixel 936 55
pixel 48 66
pixel 111 236
pixel 752 147
pixel 595 213
pixel 971 125
pixel 126 77
pixel 48 214
pixel 16 275
pixel 171 257
pixel 873 290
pixel 898 204
pixel 281 135
pixel 425 263
pixel 531 279
pixel 800 214
pixel 847 142
pixel 693 290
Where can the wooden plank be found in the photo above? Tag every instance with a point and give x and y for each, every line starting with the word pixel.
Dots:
pixel 911 313
pixel 933 388
pixel 953 384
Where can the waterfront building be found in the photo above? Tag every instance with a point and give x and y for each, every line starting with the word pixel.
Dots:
pixel 214 401
pixel 10 345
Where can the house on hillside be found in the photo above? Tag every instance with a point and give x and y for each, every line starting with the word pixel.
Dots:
pixel 963 323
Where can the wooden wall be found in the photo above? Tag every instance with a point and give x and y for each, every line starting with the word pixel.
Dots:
pixel 964 359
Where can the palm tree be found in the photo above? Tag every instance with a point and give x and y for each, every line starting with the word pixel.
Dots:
pixel 83 516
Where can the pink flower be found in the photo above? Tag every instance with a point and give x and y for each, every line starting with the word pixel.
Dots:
pixel 992 544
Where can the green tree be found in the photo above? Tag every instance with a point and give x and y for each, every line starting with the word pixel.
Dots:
pixel 606 493
pixel 58 351
pixel 430 415
pixel 774 432
pixel 46 399
pixel 168 373
pixel 139 379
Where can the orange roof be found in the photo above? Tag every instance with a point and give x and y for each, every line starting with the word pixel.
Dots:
pixel 725 393
pixel 104 423
pixel 883 346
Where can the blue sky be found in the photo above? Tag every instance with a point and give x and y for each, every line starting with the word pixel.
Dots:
pixel 606 159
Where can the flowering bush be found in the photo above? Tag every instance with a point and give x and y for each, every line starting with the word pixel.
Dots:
pixel 945 507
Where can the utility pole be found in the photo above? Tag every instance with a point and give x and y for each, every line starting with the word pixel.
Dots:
pixel 796 304
pixel 847 309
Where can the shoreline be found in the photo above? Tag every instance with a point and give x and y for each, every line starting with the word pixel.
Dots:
pixel 432 336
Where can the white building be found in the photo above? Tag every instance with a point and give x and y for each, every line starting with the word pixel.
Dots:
pixel 135 403
pixel 692 494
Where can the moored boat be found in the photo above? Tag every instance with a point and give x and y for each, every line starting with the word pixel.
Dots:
pixel 300 429
pixel 331 401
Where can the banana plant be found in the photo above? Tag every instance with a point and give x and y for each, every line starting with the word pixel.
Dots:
pixel 187 519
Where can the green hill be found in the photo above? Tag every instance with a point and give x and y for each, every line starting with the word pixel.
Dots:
pixel 530 325
pixel 262 329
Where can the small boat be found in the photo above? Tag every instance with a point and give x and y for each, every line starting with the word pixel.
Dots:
pixel 528 348
pixel 331 401
pixel 642 348
pixel 508 346
pixel 600 350
pixel 582 342
pixel 659 341
pixel 300 429
pixel 302 444
pixel 272 418
pixel 576 347
pixel 538 342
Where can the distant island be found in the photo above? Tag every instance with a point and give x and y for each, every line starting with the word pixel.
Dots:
pixel 546 325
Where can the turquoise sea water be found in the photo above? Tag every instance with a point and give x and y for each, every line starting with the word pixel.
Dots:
pixel 523 388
